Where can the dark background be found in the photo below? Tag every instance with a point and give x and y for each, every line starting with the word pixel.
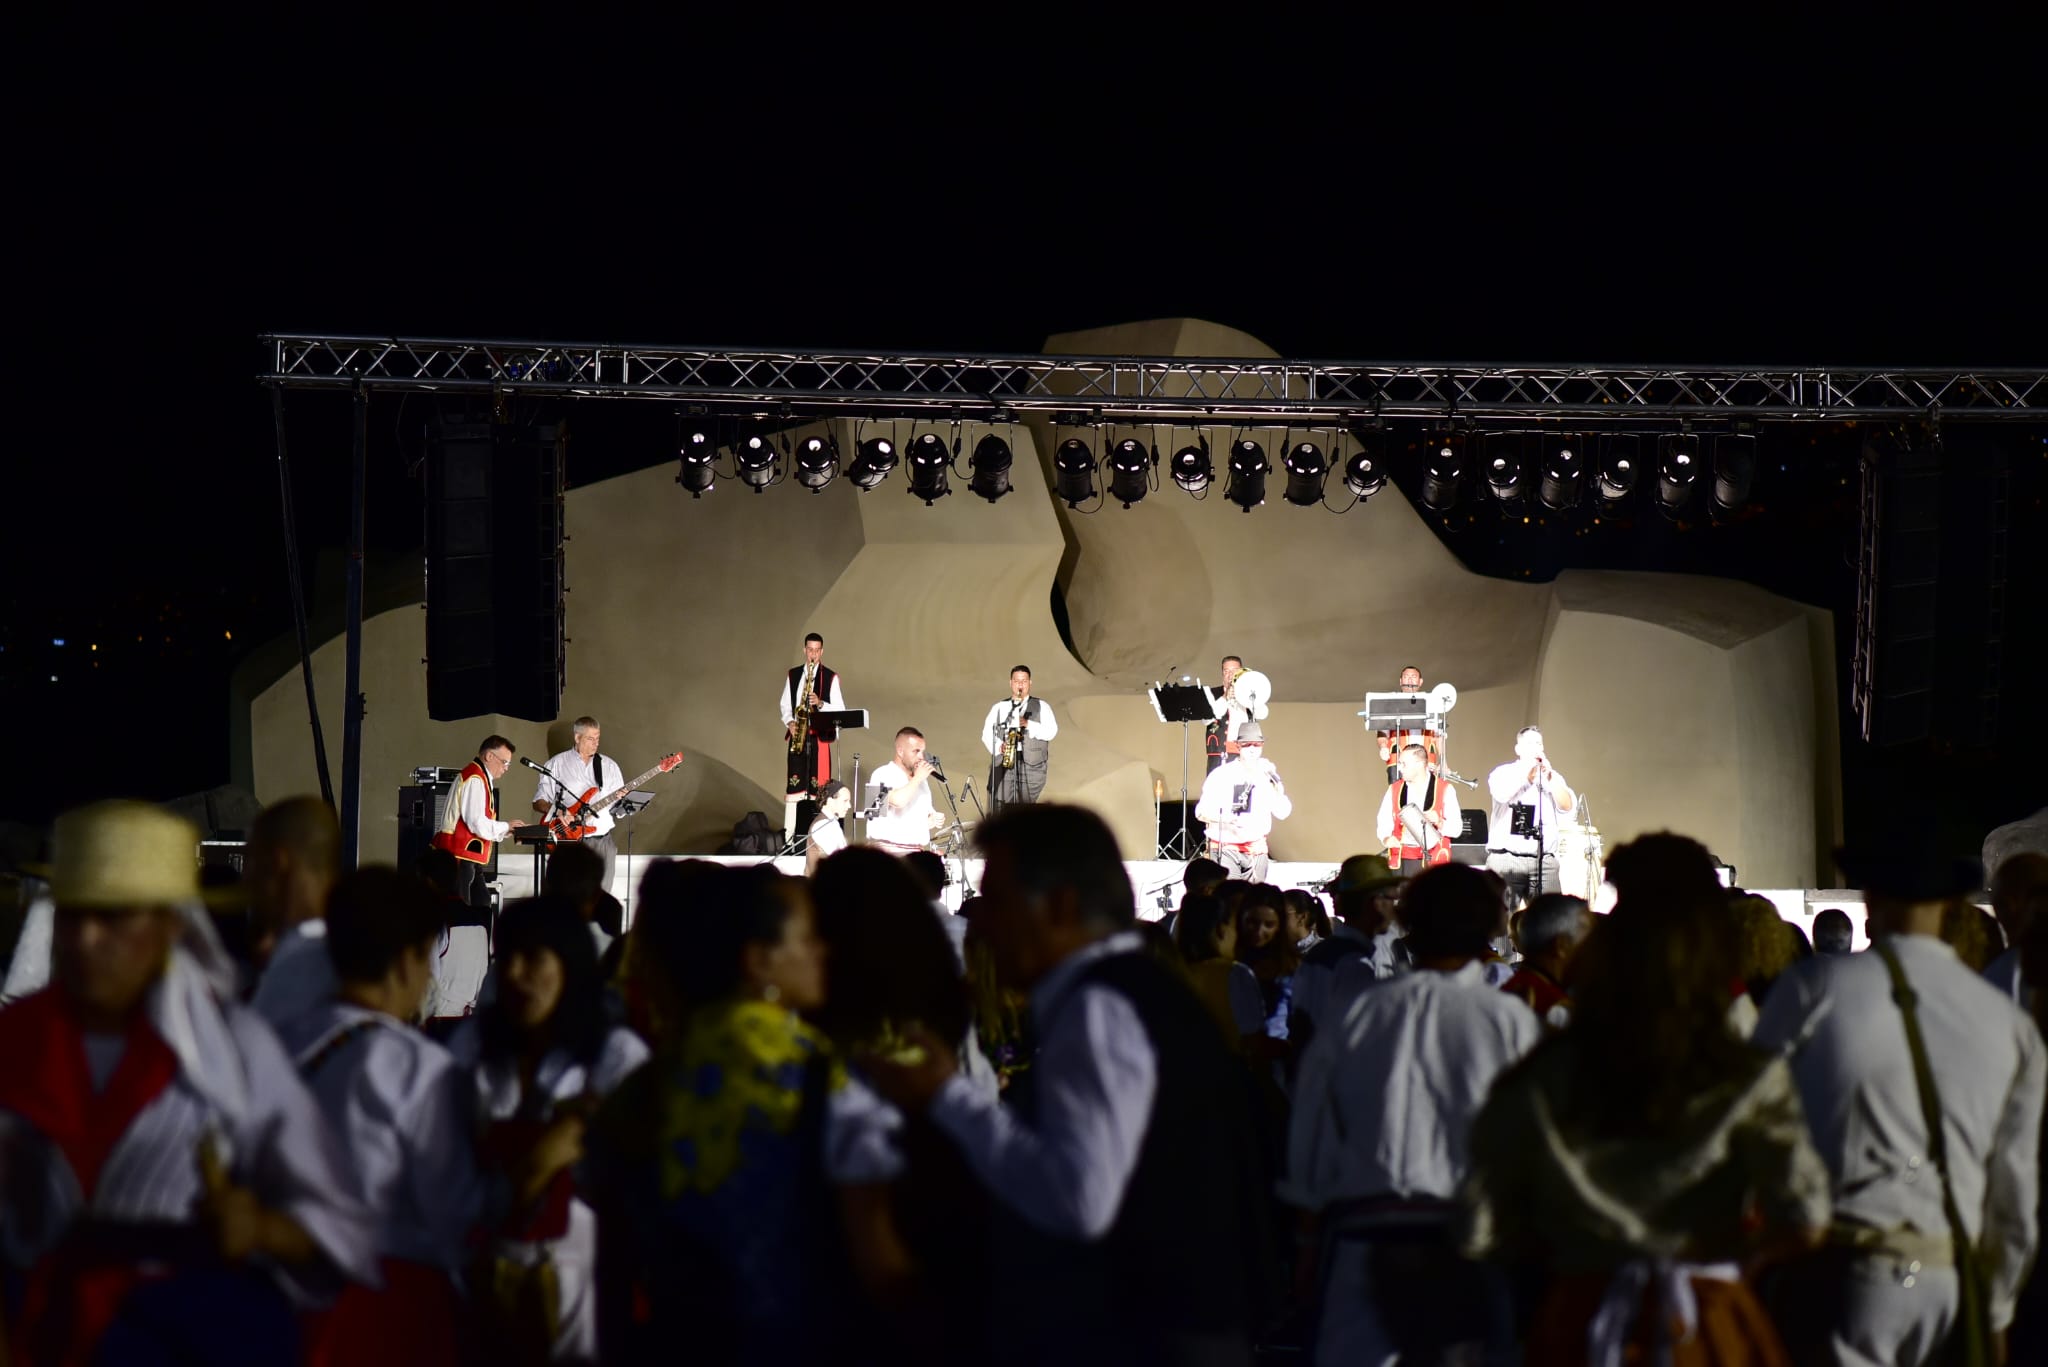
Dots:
pixel 1813 198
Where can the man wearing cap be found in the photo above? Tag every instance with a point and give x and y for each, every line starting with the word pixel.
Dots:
pixel 1241 799
pixel 147 1121
pixel 1886 1289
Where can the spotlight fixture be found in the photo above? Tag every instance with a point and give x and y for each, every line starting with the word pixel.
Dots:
pixel 1442 469
pixel 1562 476
pixel 1620 456
pixel 1248 471
pixel 872 462
pixel 1306 470
pixel 1678 470
pixel 755 457
pixel 699 470
pixel 928 468
pixel 991 466
pixel 1505 474
pixel 1734 470
pixel 817 463
pixel 1130 468
pixel 1192 469
pixel 1073 471
pixel 1363 476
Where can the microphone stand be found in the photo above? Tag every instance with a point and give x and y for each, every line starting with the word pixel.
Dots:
pixel 946 785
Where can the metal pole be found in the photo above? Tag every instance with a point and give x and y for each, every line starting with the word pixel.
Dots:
pixel 352 676
pixel 298 592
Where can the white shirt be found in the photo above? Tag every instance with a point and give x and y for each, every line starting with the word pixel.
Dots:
pixel 578 777
pixel 998 721
pixel 1454 815
pixel 474 797
pixel 299 977
pixel 406 1114
pixel 1241 800
pixel 1384 1102
pixel 827 836
pixel 1096 1075
pixel 1509 785
pixel 909 824
pixel 1835 1018
pixel 1249 694
pixel 833 702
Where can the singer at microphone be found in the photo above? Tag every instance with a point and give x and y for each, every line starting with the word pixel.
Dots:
pixel 907 817
pixel 1530 802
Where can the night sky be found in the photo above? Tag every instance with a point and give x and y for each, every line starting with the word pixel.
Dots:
pixel 179 191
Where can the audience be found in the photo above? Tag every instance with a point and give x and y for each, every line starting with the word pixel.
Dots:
pixel 1550 930
pixel 1207 936
pixel 293 855
pixel 1833 932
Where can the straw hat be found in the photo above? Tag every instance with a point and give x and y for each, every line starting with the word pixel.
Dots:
pixel 123 854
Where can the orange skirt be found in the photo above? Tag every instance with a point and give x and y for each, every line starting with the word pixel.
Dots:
pixel 1733 1330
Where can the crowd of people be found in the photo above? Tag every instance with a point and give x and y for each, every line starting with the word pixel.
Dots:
pixel 824 1119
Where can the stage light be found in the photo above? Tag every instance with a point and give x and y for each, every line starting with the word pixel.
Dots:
pixel 1363 476
pixel 1678 470
pixel 1734 470
pixel 1130 468
pixel 872 462
pixel 755 457
pixel 1619 458
pixel 1306 470
pixel 1192 469
pixel 1505 471
pixel 1073 471
pixel 1248 471
pixel 699 472
pixel 1442 469
pixel 991 466
pixel 928 468
pixel 817 463
pixel 1562 477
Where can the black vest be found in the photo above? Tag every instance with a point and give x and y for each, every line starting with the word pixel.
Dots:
pixel 1190 1251
pixel 823 685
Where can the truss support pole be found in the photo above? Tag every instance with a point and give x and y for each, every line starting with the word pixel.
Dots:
pixel 352 679
pixel 298 591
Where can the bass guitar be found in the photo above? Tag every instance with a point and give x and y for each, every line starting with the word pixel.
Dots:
pixel 579 819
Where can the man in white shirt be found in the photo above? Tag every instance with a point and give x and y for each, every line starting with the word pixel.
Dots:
pixel 2018 887
pixel 1023 778
pixel 1383 1109
pixel 1419 816
pixel 470 829
pixel 827 836
pixel 905 817
pixel 294 852
pixel 809 688
pixel 1528 788
pixel 1240 802
pixel 1894 1291
pixel 571 776
pixel 1241 699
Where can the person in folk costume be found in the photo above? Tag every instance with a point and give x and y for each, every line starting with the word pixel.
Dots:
pixel 1393 742
pixel 810 764
pixel 1419 816
pixel 169 1189
pixel 470 828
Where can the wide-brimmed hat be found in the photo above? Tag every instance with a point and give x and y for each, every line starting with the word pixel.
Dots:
pixel 123 854
pixel 1909 873
pixel 1366 873
pixel 1250 734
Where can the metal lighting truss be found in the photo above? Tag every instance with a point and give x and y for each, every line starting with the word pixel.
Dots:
pixel 1141 388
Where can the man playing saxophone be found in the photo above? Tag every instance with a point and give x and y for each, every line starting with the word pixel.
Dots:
pixel 1015 734
pixel 810 688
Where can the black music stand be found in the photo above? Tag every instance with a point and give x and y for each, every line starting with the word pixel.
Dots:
pixel 631 805
pixel 1185 703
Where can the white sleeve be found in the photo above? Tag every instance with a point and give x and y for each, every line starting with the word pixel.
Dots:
pixel 1314 1135
pixel 862 1135
pixel 1047 726
pixel 2011 1232
pixel 1572 799
pixel 782 700
pixel 1277 801
pixel 834 700
pixel 473 816
pixel 1096 1076
pixel 1385 824
pixel 1217 704
pixel 991 731
pixel 1207 806
pixel 1454 815
pixel 1506 781
pixel 439 1135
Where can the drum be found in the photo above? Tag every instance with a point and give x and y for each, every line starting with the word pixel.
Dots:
pixel 1578 861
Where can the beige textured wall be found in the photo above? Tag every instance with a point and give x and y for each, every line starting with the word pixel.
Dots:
pixel 684 614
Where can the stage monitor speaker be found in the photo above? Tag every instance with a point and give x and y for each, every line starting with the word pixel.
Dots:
pixel 1930 590
pixel 494 569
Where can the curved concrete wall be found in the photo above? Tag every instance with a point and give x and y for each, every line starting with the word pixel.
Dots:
pixel 684 613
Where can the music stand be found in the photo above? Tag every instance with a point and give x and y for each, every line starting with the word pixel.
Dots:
pixel 632 804
pixel 1185 703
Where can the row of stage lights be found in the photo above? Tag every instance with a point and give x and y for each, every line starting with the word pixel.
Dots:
pixel 1512 463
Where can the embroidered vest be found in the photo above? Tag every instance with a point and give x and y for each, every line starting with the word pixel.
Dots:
pixel 1404 845
pixel 455 836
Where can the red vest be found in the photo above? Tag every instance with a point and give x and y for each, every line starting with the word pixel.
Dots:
pixel 1402 846
pixel 455 836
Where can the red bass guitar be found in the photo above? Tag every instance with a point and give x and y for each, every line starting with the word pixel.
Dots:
pixel 580 818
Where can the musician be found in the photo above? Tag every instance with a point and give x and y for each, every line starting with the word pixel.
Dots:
pixel 575 772
pixel 810 687
pixel 470 829
pixel 1241 799
pixel 906 818
pixel 827 836
pixel 1419 815
pixel 1241 699
pixel 1527 782
pixel 1023 779
pixel 1392 742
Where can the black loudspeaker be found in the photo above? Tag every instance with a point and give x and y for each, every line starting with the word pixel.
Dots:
pixel 1930 590
pixel 421 808
pixel 494 569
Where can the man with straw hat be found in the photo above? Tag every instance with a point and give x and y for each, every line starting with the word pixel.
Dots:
pixel 164 1174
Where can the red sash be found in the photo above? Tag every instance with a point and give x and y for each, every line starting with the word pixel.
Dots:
pixel 1401 848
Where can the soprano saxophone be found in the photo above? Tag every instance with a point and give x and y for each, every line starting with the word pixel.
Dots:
pixel 802 733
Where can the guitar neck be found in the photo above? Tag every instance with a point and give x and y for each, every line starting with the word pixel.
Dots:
pixel 604 803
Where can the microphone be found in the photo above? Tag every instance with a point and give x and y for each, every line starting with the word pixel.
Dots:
pixel 938 767
pixel 531 765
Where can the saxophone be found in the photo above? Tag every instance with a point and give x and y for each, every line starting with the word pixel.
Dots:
pixel 1014 734
pixel 802 733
